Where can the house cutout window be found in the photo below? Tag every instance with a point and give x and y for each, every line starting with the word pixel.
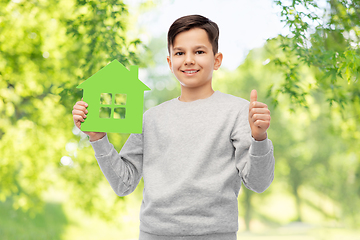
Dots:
pixel 105 98
pixel 112 105
pixel 105 112
pixel 120 99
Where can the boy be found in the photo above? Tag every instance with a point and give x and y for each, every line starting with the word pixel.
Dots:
pixel 195 150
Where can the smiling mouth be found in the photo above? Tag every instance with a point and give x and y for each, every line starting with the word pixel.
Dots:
pixel 190 72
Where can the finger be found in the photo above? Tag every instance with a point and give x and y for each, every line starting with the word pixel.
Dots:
pixel 264 117
pixel 81 103
pixel 78 125
pixel 78 118
pixel 257 105
pixel 80 108
pixel 262 124
pixel 253 96
pixel 259 111
pixel 78 113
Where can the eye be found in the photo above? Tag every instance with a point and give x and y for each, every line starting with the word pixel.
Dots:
pixel 200 52
pixel 179 53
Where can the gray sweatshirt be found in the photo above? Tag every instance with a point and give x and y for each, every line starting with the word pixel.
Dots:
pixel 193 157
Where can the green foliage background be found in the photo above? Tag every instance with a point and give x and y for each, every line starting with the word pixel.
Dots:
pixel 309 80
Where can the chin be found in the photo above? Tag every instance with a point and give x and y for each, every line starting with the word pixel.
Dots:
pixel 191 85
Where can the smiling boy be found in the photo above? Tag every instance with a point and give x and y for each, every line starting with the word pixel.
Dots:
pixel 192 61
pixel 195 150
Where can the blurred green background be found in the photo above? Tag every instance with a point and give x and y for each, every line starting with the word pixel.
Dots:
pixel 50 184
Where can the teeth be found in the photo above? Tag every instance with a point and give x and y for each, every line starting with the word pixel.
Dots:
pixel 190 71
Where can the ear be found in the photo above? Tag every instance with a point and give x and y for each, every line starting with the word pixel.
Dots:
pixel 169 62
pixel 218 60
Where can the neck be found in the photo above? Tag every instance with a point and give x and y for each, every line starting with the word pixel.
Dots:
pixel 192 94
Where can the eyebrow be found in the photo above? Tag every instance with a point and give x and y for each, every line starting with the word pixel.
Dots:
pixel 196 47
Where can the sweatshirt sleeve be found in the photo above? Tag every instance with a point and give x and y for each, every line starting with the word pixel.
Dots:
pixel 254 159
pixel 122 170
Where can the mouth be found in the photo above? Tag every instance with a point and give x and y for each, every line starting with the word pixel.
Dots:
pixel 190 72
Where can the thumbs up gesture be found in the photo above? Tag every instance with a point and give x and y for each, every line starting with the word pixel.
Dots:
pixel 259 117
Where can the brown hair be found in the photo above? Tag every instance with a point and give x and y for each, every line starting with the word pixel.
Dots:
pixel 194 21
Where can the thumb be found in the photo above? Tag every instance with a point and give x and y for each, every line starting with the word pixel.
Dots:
pixel 253 96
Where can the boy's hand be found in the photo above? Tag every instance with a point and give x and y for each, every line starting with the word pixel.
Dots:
pixel 259 117
pixel 79 114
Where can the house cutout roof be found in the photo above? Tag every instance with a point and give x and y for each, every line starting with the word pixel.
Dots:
pixel 114 80
pixel 115 75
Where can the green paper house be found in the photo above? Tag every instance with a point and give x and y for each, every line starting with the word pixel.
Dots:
pixel 115 98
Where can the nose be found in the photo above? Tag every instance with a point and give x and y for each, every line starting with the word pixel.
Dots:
pixel 189 60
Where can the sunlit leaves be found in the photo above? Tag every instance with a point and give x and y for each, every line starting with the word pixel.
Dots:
pixel 329 43
pixel 46 49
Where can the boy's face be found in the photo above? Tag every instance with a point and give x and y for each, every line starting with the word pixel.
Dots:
pixel 192 59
